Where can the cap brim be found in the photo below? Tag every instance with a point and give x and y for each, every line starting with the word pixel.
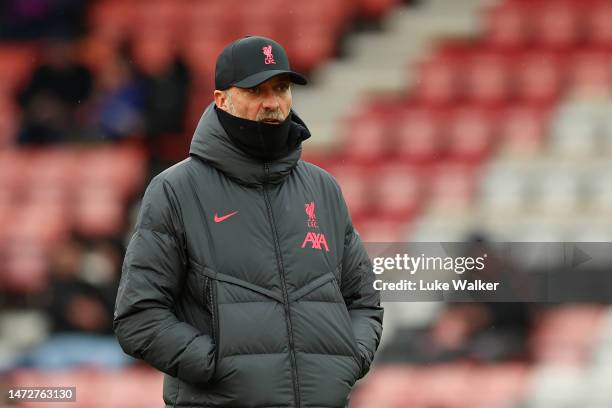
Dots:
pixel 258 78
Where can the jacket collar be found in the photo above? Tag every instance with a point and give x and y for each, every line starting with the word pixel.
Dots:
pixel 211 143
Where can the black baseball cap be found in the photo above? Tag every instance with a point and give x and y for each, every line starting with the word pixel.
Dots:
pixel 251 60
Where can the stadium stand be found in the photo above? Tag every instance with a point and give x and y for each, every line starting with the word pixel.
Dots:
pixel 501 126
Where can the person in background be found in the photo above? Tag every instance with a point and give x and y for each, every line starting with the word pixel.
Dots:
pixel 56 96
pixel 167 96
pixel 78 305
pixel 118 106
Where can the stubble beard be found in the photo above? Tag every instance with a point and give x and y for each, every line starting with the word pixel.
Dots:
pixel 261 115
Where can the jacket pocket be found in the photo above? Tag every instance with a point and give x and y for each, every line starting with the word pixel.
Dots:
pixel 212 306
pixel 230 302
pixel 325 288
pixel 355 347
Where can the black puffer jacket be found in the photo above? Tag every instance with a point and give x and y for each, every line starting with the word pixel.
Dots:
pixel 246 283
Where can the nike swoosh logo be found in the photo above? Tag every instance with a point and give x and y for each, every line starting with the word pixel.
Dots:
pixel 225 217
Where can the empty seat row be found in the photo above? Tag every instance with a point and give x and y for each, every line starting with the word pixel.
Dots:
pixel 420 134
pixel 308 30
pixel 61 169
pixel 556 24
pixel 47 194
pixel 396 191
pixel 462 72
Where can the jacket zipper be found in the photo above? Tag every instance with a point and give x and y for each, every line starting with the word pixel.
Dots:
pixel 281 270
pixel 209 299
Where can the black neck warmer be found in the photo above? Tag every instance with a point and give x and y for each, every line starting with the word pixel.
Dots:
pixel 264 141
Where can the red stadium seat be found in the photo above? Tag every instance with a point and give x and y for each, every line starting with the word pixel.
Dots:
pixel 16 63
pixel 207 31
pixel 380 229
pixel 522 129
pixel 507 26
pixel 398 191
pixel 443 385
pixel 309 46
pixel 556 24
pixel 96 51
pixel 98 212
pixel 437 80
pixel 538 77
pixel 257 15
pixel 140 388
pixel 487 78
pixel 29 234
pixel 38 222
pixel 213 16
pixel 154 50
pixel 390 385
pixel 498 385
pixel 51 172
pixel 265 29
pixel 121 168
pixel 451 187
pixel 590 73
pixel 365 139
pixel 598 27
pixel 375 9
pixel 469 134
pixel 417 138
pixel 328 14
pixel 14 171
pixel 112 20
pixel 163 15
pixel 354 182
pixel 6 211
pixel 25 269
pixel 201 53
pixel 318 156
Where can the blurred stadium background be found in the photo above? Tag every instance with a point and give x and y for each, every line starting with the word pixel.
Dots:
pixel 443 120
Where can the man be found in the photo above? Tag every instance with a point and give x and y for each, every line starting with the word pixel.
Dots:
pixel 245 281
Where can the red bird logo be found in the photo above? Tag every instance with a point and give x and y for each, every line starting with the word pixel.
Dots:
pixel 267 51
pixel 310 212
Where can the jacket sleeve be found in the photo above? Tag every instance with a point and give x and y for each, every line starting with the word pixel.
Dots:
pixel 152 277
pixel 362 300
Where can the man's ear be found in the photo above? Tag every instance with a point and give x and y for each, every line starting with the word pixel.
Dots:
pixel 221 100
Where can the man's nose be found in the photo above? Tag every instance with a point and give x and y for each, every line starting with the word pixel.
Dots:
pixel 270 101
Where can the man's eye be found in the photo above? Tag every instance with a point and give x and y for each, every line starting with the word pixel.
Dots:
pixel 283 87
pixel 253 90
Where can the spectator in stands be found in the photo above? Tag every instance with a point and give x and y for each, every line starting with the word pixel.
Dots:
pixel 79 307
pixel 167 96
pixel 119 101
pixel 74 304
pixel 56 96
pixel 101 268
